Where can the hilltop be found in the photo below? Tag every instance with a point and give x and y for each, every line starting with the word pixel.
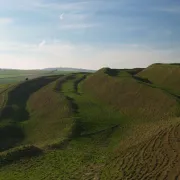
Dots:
pixel 108 124
pixel 163 75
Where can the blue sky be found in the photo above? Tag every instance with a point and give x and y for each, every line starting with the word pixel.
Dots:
pixel 88 33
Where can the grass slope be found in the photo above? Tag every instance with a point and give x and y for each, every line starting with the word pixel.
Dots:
pixel 30 118
pixel 50 116
pixel 123 127
pixel 85 152
pixel 132 97
pixel 164 75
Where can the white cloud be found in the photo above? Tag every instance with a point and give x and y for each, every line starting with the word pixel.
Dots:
pixel 61 17
pixel 42 43
pixel 76 20
pixel 83 56
pixel 6 21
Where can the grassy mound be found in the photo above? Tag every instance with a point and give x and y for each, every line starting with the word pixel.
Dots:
pixel 34 113
pixel 92 115
pixel 164 75
pixel 51 116
pixel 131 96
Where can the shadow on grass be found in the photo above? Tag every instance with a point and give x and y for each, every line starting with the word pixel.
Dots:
pixel 15 108
pixel 101 131
pixel 116 72
pixel 60 82
pixel 144 80
pixel 19 153
pixel 11 132
pixel 78 81
pixel 10 135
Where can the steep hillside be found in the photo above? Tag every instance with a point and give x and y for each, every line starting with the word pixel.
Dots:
pixel 50 116
pixel 133 96
pixel 164 75
pixel 34 113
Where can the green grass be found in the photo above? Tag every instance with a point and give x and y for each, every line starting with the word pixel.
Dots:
pixel 106 125
pixel 35 114
pixel 16 76
pixel 70 164
pixel 51 116
pixel 95 122
pixel 164 75
pixel 93 115
pixel 137 100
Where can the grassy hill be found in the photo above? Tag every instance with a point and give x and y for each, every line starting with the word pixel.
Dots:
pixel 34 113
pixel 112 124
pixel 132 96
pixel 164 75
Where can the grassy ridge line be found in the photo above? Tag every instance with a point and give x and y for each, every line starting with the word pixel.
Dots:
pixel 94 117
pixel 77 81
pixel 168 76
pixel 23 90
pixel 14 112
pixel 28 151
pixel 137 100
pixel 165 90
pixel 57 114
pixel 134 73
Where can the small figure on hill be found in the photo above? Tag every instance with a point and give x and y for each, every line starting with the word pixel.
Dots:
pixel 27 79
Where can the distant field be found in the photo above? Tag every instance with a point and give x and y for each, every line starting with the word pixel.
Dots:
pixel 14 76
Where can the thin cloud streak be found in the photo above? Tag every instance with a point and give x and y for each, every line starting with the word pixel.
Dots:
pixel 42 43
pixel 61 17
pixel 6 20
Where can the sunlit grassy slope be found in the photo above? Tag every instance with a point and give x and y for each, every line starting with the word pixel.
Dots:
pixel 34 113
pixel 113 124
pixel 50 116
pixel 164 75
pixel 132 96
